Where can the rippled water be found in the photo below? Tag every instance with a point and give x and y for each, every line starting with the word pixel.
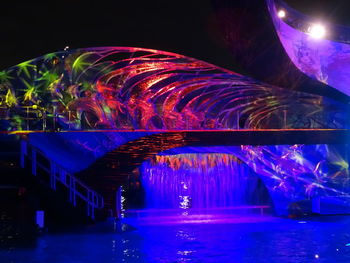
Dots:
pixel 201 238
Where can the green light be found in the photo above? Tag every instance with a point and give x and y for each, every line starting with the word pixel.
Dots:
pixel 80 63
pixel 24 67
pixel 10 98
pixel 5 77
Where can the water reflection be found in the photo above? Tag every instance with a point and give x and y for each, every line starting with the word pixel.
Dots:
pixel 274 240
pixel 187 253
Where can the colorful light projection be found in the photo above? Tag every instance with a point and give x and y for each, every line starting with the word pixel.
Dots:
pixel 121 88
pixel 197 181
pixel 319 50
pixel 301 171
pixel 136 89
pixel 291 173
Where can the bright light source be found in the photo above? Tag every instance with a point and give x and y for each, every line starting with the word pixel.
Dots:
pixel 317 31
pixel 281 14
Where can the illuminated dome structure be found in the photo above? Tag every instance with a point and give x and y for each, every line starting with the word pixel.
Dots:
pixel 128 93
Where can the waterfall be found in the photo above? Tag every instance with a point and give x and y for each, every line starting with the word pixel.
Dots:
pixel 195 181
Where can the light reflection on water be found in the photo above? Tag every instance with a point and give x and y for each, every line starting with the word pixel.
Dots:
pixel 245 239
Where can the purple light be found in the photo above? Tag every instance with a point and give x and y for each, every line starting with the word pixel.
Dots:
pixel 319 58
pixel 125 88
pixel 291 173
pixel 197 181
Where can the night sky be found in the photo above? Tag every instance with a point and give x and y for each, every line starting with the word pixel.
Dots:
pixel 32 29
pixel 332 11
pixel 235 34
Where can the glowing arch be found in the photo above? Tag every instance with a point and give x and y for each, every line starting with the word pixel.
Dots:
pixel 142 89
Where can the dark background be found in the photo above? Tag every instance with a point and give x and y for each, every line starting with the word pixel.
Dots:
pixel 33 29
pixel 235 34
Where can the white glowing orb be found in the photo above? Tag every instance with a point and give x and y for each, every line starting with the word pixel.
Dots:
pixel 281 14
pixel 317 31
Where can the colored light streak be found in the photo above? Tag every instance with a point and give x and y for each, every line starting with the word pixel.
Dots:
pixel 116 88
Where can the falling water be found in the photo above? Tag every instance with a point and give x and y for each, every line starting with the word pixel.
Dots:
pixel 195 181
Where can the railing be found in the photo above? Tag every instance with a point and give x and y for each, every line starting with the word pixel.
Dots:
pixel 58 174
pixel 34 118
pixel 25 117
pixel 261 208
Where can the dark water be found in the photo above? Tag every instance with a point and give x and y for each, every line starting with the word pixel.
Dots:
pixel 218 237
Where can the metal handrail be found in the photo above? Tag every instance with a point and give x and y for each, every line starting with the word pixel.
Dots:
pixel 99 198
pixel 58 174
pixel 67 121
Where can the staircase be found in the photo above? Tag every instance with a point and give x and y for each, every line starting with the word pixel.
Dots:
pixel 44 169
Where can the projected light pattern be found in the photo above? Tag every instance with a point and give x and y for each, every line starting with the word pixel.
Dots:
pixel 300 172
pixel 195 181
pixel 320 51
pixel 291 173
pixel 146 91
pixel 134 88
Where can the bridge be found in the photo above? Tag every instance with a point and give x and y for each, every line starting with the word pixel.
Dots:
pixel 93 115
pixel 109 170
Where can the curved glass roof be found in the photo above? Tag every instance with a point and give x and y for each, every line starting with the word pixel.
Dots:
pixel 126 88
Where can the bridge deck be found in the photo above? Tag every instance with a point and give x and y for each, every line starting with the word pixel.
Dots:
pixel 239 137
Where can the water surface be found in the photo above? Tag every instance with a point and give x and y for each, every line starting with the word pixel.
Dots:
pixel 173 237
